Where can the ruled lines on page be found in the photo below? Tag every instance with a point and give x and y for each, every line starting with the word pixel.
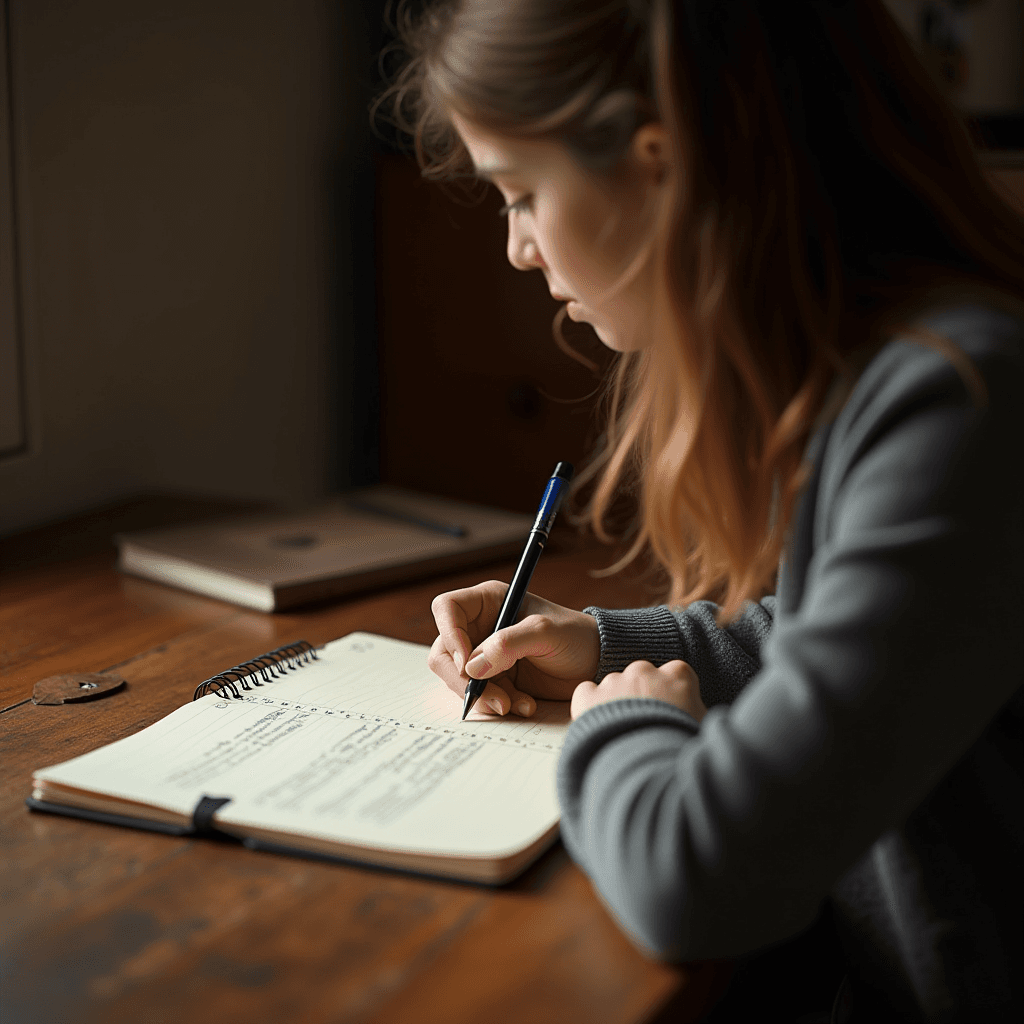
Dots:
pixel 363 746
pixel 380 680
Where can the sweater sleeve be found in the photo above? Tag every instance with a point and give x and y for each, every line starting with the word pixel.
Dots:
pixel 725 659
pixel 721 839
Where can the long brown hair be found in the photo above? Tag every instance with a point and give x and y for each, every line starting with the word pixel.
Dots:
pixel 825 189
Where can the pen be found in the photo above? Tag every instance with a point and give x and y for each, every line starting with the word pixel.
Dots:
pixel 451 529
pixel 549 503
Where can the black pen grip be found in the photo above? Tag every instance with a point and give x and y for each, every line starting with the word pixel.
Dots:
pixel 549 505
pixel 520 581
pixel 509 607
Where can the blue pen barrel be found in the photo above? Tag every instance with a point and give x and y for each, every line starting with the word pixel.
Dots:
pixel 550 503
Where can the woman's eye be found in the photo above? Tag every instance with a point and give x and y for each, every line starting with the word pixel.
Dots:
pixel 517 207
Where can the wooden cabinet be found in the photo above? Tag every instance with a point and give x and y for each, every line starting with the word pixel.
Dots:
pixel 477 401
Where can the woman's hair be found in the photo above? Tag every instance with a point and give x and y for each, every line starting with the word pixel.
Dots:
pixel 823 183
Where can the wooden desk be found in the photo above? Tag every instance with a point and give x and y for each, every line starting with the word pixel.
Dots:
pixel 103 924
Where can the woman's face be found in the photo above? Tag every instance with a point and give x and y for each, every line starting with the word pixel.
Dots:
pixel 582 231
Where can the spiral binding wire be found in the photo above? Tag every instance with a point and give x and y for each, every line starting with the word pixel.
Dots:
pixel 272 665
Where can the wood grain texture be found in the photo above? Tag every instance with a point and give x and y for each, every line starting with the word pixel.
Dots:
pixel 104 924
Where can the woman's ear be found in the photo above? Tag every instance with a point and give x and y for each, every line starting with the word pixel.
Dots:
pixel 651 151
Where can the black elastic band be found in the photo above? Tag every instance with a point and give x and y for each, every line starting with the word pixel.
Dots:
pixel 202 816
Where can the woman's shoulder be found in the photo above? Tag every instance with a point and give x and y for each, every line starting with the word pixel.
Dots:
pixel 937 410
pixel 967 349
pixel 978 325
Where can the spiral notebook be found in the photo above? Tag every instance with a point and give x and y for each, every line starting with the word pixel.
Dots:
pixel 354 751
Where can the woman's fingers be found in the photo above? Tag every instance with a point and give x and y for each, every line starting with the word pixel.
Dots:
pixel 500 696
pixel 675 682
pixel 464 616
pixel 545 654
pixel 442 664
pixel 584 697
pixel 505 699
pixel 536 636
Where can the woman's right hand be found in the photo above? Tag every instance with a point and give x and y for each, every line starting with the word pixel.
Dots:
pixel 546 654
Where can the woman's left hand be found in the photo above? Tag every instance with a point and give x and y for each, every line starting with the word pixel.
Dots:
pixel 674 682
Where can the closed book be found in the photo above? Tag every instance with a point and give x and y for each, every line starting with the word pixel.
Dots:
pixel 368 537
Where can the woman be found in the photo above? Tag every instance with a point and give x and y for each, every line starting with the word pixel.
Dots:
pixel 776 218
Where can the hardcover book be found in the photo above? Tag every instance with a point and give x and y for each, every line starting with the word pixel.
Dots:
pixel 365 538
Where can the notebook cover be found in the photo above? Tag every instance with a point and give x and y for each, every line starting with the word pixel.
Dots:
pixel 256 845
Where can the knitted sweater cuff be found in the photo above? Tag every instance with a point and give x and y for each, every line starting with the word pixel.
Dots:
pixel 635 634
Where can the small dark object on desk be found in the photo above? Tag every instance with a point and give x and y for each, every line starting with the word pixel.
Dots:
pixel 75 688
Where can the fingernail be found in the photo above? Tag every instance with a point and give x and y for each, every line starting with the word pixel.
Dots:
pixel 523 708
pixel 478 667
pixel 457 658
pixel 494 706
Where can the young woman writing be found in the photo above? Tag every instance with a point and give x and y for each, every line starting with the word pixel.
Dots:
pixel 777 220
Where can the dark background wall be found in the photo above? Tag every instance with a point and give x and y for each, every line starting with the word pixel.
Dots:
pixel 181 172
pixel 226 284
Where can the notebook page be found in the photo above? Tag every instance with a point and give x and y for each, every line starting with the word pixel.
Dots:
pixel 384 679
pixel 402 773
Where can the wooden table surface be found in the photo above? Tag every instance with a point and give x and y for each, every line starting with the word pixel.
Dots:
pixel 105 924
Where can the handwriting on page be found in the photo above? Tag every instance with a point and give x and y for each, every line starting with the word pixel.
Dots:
pixel 363 744
pixel 384 773
pixel 330 764
pixel 216 761
pixel 386 680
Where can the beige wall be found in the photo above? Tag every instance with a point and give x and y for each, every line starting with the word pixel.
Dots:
pixel 174 160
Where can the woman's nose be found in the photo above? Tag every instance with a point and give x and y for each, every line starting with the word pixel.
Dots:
pixel 522 250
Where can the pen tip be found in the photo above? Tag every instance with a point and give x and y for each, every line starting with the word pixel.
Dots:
pixel 469 701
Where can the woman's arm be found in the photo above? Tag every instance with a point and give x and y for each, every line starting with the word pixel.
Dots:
pixel 725 659
pixel 717 839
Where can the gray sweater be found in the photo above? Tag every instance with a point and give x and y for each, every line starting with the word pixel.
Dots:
pixel 864 738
